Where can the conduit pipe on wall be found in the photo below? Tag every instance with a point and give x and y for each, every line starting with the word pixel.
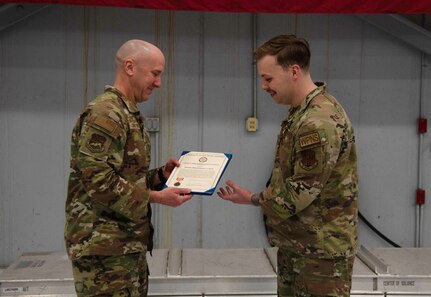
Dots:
pixel 254 72
pixel 156 211
pixel 85 55
pixel 420 193
pixel 201 95
pixel 164 108
pixel 155 206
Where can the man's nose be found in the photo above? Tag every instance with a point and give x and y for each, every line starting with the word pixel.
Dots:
pixel 158 82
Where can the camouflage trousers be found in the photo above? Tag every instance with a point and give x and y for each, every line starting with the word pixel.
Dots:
pixel 120 275
pixel 299 276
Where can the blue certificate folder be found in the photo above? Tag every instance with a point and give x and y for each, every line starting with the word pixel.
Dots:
pixel 199 171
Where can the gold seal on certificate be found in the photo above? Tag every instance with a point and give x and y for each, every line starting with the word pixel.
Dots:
pixel 199 171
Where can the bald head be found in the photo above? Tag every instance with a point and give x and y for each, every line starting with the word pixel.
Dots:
pixel 139 66
pixel 136 50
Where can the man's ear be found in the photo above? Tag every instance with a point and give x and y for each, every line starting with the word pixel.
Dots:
pixel 128 67
pixel 295 70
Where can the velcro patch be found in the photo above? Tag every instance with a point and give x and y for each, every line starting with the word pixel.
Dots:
pixel 309 139
pixel 308 159
pixel 107 124
pixel 96 143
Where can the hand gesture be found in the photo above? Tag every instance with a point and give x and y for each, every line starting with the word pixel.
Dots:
pixel 235 193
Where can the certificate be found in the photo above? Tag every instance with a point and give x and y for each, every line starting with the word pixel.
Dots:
pixel 199 171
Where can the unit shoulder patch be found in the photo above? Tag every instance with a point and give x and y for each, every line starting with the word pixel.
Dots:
pixel 308 160
pixel 96 143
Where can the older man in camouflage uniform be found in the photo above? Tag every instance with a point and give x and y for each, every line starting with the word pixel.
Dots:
pixel 311 200
pixel 108 215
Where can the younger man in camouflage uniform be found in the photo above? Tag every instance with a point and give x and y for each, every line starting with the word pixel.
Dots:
pixel 108 215
pixel 311 200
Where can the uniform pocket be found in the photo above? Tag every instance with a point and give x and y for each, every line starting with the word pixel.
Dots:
pixel 99 275
pixel 323 277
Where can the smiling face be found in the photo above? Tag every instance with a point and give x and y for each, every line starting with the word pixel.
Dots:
pixel 283 63
pixel 147 72
pixel 276 80
pixel 139 68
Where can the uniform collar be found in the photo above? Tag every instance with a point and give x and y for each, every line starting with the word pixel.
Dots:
pixel 129 104
pixel 321 88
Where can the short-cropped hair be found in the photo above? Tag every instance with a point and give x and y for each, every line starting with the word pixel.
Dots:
pixel 288 49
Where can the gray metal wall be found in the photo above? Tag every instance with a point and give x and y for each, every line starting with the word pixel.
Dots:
pixel 55 61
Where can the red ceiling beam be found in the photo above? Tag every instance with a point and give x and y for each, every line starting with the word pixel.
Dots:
pixel 261 6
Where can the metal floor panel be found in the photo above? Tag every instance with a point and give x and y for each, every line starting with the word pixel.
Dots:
pixel 409 270
pixel 193 272
pixel 38 267
pixel 223 272
pixel 363 277
pixel 226 262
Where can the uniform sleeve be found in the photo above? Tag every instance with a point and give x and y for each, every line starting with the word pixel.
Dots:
pixel 315 151
pixel 101 150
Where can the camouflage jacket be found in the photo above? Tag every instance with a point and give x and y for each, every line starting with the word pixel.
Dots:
pixel 311 202
pixel 107 208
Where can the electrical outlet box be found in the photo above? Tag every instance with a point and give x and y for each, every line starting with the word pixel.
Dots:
pixel 252 124
pixel 152 124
